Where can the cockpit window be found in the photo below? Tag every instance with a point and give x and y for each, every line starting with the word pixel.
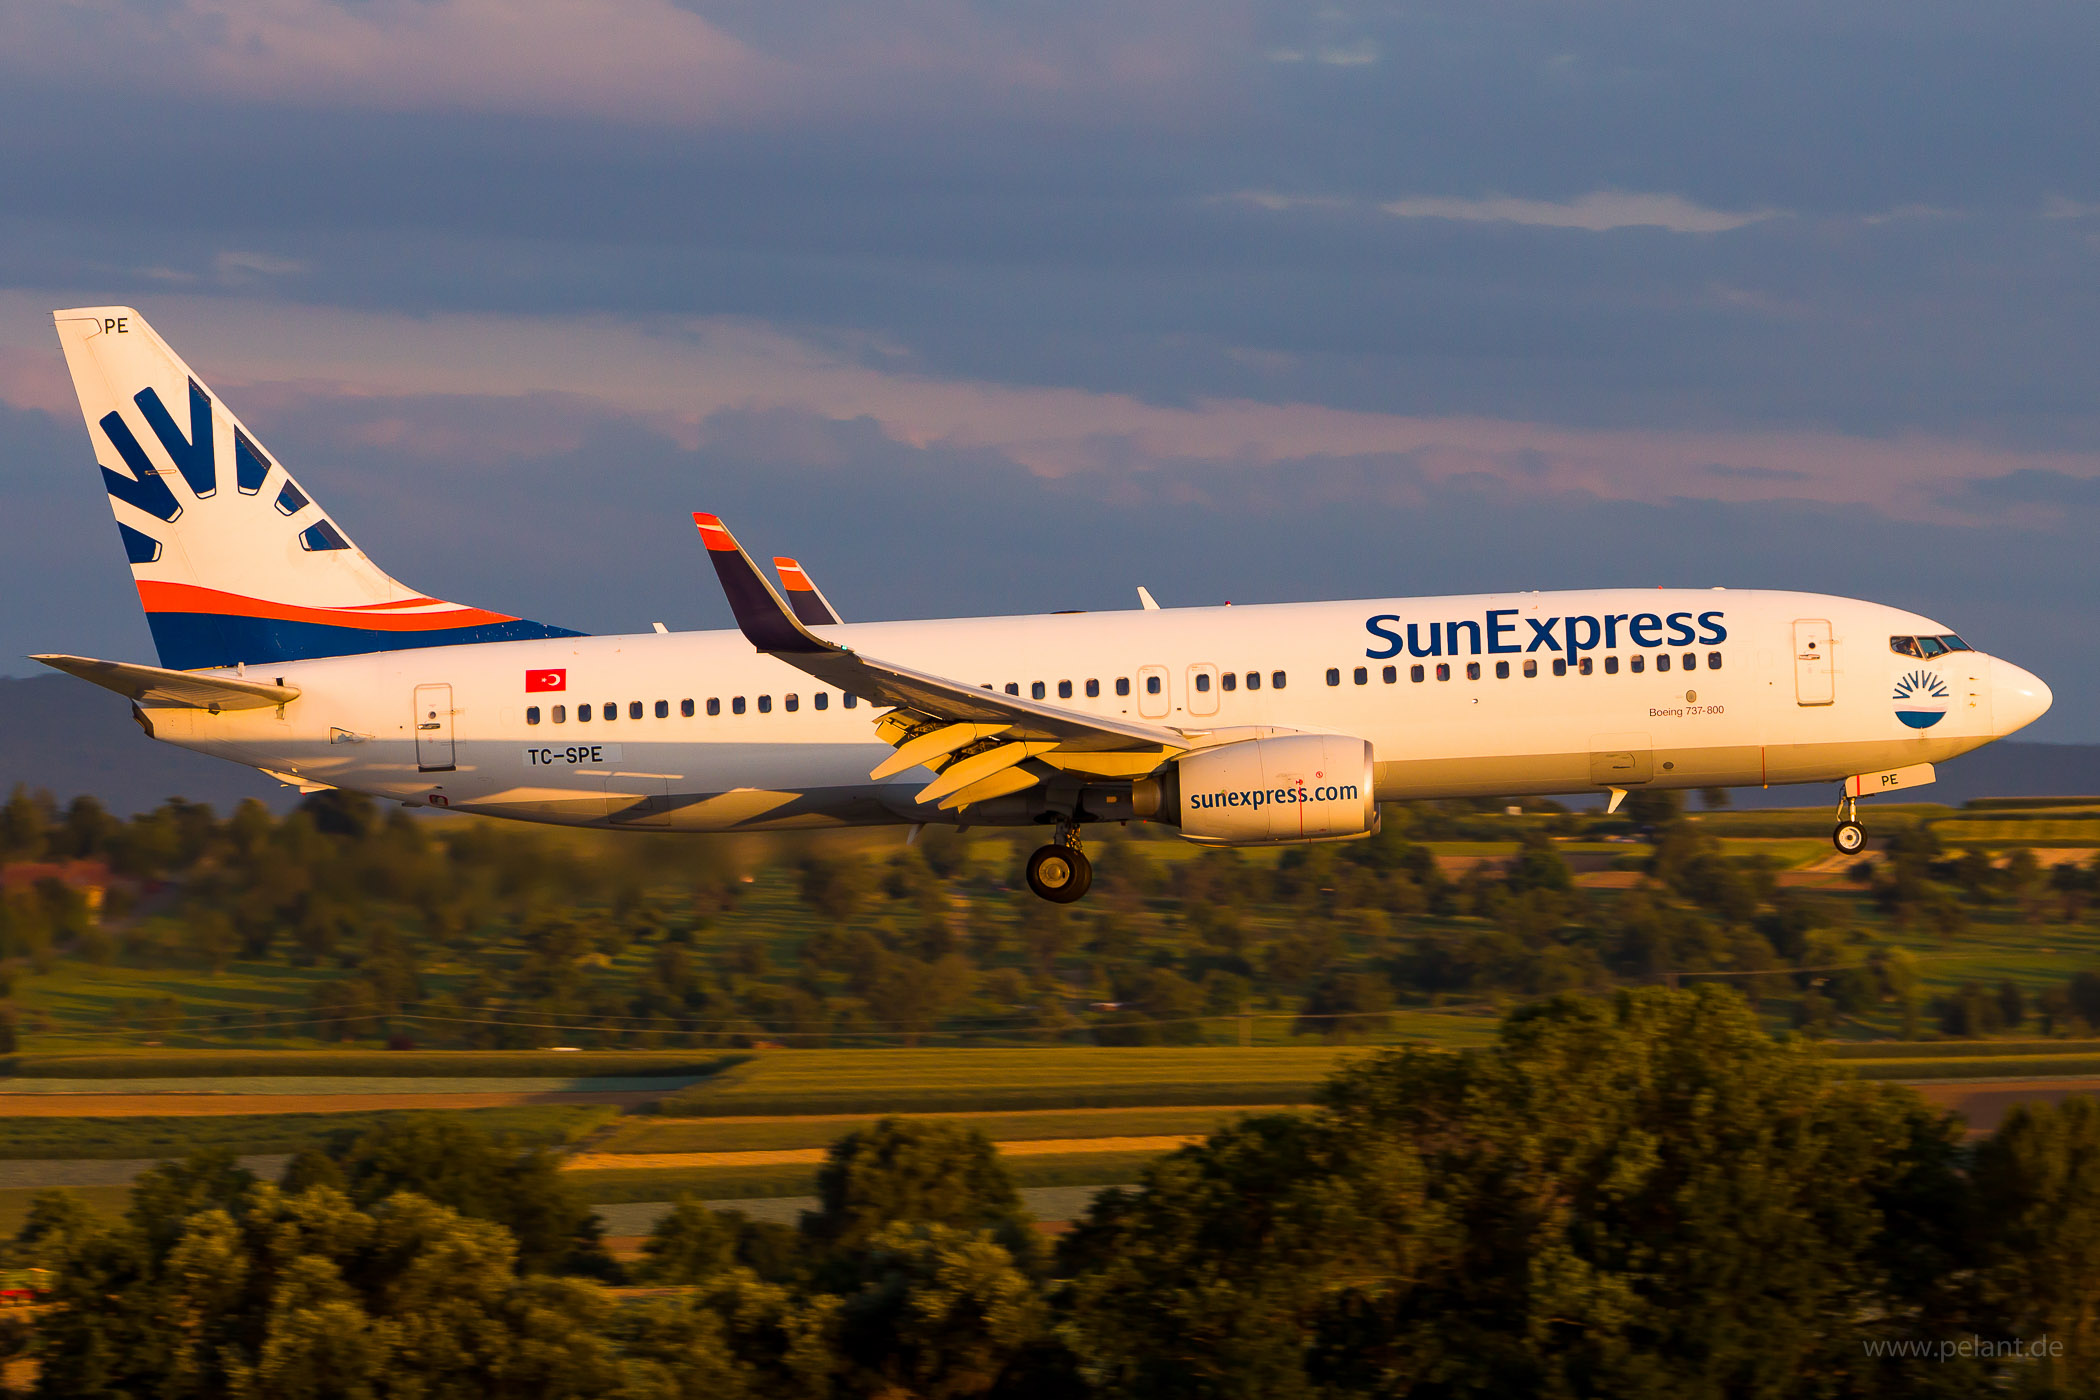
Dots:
pixel 1931 646
pixel 1904 646
pixel 1954 643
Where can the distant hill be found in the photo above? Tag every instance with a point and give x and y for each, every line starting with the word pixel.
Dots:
pixel 71 737
pixel 67 736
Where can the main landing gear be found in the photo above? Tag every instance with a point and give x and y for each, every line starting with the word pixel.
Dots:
pixel 1849 837
pixel 1060 871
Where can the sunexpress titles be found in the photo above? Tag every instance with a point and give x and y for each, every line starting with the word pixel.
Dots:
pixel 1506 631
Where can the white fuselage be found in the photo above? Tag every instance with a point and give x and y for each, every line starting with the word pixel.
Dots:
pixel 456 727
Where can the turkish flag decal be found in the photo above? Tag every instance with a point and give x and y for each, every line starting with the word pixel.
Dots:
pixel 546 680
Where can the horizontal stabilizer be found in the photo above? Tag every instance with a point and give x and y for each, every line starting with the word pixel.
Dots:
pixel 156 687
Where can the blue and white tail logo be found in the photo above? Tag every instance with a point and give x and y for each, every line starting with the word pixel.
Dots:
pixel 1921 699
pixel 233 559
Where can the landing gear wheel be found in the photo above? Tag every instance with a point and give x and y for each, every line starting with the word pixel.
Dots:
pixel 1060 874
pixel 1850 837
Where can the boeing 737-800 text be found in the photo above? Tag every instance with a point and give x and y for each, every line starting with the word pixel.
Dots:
pixel 283 647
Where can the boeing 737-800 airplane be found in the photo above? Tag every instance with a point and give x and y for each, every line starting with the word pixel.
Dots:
pixel 283 647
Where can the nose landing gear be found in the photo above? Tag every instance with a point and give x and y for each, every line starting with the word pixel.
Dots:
pixel 1849 837
pixel 1060 871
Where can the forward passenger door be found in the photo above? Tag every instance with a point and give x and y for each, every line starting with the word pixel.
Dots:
pixel 1814 681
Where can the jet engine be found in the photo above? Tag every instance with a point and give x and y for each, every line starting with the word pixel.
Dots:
pixel 1261 792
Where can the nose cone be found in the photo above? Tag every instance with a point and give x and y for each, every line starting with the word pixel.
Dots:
pixel 2018 698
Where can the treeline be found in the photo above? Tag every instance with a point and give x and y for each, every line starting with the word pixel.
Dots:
pixel 612 941
pixel 1634 1195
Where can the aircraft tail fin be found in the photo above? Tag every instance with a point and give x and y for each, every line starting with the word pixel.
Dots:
pixel 234 561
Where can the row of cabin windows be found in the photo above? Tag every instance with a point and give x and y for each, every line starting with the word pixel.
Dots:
pixel 1636 664
pixel 1154 685
pixel 610 710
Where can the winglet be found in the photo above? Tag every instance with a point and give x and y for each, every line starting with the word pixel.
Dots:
pixel 811 607
pixel 766 621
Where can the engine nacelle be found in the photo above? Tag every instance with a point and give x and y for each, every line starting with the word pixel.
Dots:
pixel 1261 792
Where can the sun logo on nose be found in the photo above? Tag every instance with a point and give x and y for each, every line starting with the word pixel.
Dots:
pixel 1921 699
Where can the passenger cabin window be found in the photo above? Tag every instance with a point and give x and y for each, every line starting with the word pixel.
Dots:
pixel 822 700
pixel 791 702
pixel 1037 690
pixel 1531 668
pixel 1560 665
pixel 532 714
pixel 765 704
pixel 1691 661
pixel 1472 670
pixel 583 714
pixel 561 714
pixel 1093 690
pixel 1443 671
pixel 1584 665
pixel 1334 675
pixel 1122 685
pixel 1390 674
pixel 1203 682
pixel 1276 680
pixel 1362 676
pixel 1064 690
pixel 1230 680
pixel 1637 663
pixel 1501 670
pixel 714 705
pixel 1611 665
pixel 1662 662
pixel 611 709
pixel 685 707
pixel 1417 673
pixel 1152 685
pixel 634 709
pixel 663 709
pixel 1013 687
pixel 1254 680
pixel 851 700
pixel 736 706
pixel 1713 661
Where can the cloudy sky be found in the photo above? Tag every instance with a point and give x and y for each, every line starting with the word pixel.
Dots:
pixel 1014 306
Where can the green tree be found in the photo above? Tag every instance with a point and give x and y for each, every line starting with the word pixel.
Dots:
pixel 942 1313
pixel 916 1172
pixel 689 1244
pixel 457 1165
pixel 2036 1220
pixel 1639 1195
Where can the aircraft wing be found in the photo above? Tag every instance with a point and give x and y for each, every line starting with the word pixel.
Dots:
pixel 812 608
pixel 975 736
pixel 161 688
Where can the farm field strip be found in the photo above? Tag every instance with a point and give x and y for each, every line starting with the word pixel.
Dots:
pixel 241 1105
pixel 308 1085
pixel 800 1179
pixel 1037 1147
pixel 641 1135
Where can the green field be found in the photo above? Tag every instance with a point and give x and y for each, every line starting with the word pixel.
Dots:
pixel 771 1134
pixel 376 1064
pixel 54 1139
pixel 990 1080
